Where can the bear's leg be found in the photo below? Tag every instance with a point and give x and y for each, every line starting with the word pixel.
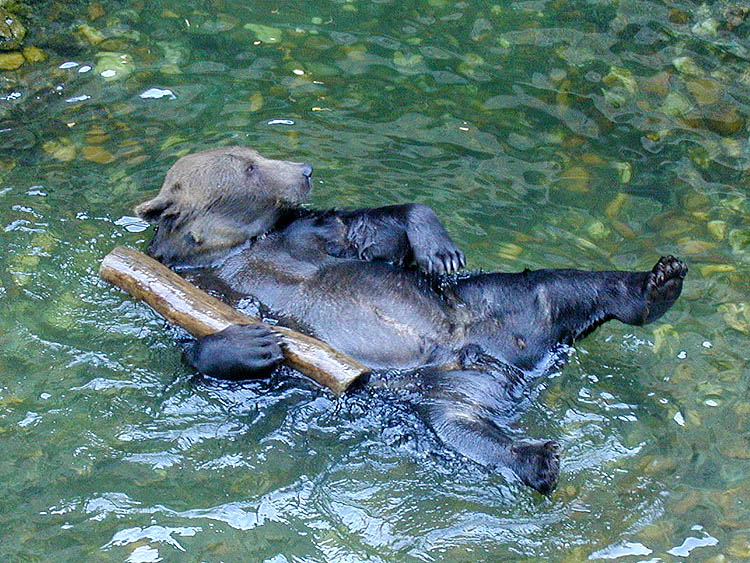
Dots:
pixel 531 313
pixel 237 352
pixel 634 298
pixel 638 298
pixel 535 462
pixel 401 233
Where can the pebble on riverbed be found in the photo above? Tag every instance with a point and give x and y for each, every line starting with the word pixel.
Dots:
pixel 113 65
pixel 705 91
pixel 722 118
pixel 34 54
pixel 90 34
pixel 94 153
pixel 12 31
pixel 61 149
pixel 11 61
pixel 576 179
pixel 736 316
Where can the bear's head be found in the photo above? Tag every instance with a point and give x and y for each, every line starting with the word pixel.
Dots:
pixel 217 199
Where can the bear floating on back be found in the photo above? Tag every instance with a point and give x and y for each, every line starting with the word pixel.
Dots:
pixel 364 281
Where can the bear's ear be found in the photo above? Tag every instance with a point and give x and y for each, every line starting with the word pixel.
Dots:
pixel 153 209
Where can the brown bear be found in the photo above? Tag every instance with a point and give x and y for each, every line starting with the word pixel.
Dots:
pixel 464 347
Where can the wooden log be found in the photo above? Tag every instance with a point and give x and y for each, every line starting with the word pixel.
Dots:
pixel 183 304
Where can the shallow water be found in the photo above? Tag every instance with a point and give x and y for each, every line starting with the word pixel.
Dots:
pixel 596 134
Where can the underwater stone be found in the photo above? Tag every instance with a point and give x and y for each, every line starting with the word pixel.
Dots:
pixel 256 101
pixel 90 34
pixel 576 179
pixel 717 228
pixel 739 241
pixel 710 269
pixel 11 61
pixel 686 65
pixel 624 171
pixel 34 54
pixel 658 84
pixel 95 10
pixel 736 316
pixel 735 15
pixel 112 66
pixel 705 91
pixel 597 230
pixel 97 154
pixel 724 119
pixel 61 149
pixel 623 77
pixel 739 546
pixel 676 104
pixel 113 45
pixel 12 31
pixel 264 33
pixel 706 27
pixel 615 206
pixel 680 17
pixel 691 246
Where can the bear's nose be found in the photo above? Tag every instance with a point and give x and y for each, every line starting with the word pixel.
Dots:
pixel 307 170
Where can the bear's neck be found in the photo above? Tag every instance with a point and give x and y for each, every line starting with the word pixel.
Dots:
pixel 208 241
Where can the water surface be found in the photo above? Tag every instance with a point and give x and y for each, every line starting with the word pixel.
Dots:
pixel 597 134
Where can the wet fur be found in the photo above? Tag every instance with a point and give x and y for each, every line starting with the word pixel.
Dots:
pixel 466 347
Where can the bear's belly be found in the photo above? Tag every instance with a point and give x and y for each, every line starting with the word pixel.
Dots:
pixel 381 315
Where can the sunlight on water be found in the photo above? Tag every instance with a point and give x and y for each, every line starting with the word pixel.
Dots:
pixel 545 134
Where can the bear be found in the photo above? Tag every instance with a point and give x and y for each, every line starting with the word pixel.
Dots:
pixel 381 285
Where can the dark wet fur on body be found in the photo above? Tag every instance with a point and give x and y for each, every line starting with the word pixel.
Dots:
pixel 371 283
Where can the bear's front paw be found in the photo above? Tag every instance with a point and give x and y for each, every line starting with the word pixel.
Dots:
pixel 537 463
pixel 438 256
pixel 238 352
pixel 663 286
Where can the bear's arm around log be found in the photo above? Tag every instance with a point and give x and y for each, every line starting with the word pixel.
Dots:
pixel 183 304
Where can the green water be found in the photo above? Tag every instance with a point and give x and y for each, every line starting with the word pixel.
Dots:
pixel 597 134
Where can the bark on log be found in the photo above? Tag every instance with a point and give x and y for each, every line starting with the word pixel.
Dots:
pixel 185 305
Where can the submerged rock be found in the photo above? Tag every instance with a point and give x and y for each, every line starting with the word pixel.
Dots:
pixel 675 104
pixel 576 179
pixel 12 31
pixel 623 77
pixel 687 66
pixel 34 54
pixel 705 91
pixel 264 33
pixel 710 269
pixel 90 34
pixel 680 17
pixel 113 66
pixel 717 228
pixel 735 15
pixel 11 61
pixel 736 316
pixel 95 153
pixel 739 241
pixel 61 149
pixel 724 119
pixel 95 10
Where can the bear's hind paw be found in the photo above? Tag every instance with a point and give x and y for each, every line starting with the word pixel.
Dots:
pixel 663 285
pixel 537 464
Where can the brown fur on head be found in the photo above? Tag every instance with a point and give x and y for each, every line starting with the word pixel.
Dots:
pixel 214 200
